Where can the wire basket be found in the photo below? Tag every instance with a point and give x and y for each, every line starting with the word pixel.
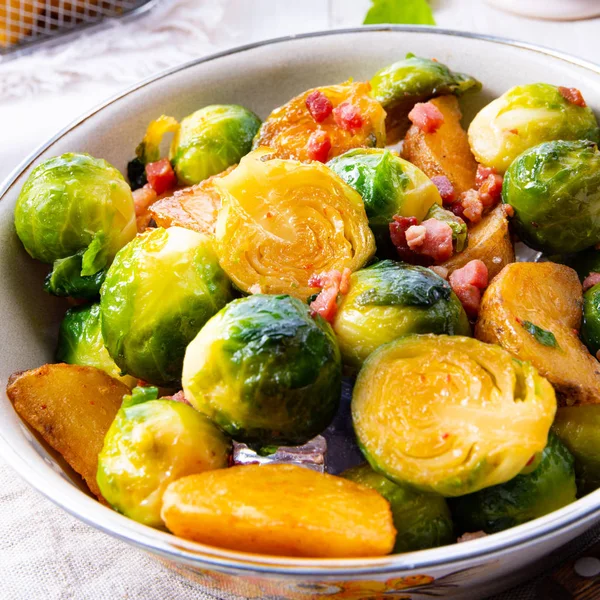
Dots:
pixel 25 23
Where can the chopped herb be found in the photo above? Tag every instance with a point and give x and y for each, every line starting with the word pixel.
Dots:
pixel 541 335
pixel 409 12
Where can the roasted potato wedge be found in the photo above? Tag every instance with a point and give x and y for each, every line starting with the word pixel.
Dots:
pixel 195 207
pixel 489 241
pixel 282 510
pixel 533 310
pixel 71 407
pixel 446 151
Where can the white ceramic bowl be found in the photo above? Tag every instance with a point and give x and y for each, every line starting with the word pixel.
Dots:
pixel 263 76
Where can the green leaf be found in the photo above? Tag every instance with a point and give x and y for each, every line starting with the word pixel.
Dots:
pixel 95 257
pixel 409 12
pixel 139 395
pixel 541 335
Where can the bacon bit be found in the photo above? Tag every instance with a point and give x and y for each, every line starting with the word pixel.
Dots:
pixel 331 284
pixel 348 117
pixel 472 205
pixel 467 537
pixel 426 116
pixel 441 271
pixel 398 229
pixel 143 198
pixel 458 209
pixel 178 397
pixel 318 146
pixel 415 237
pixel 445 188
pixel 572 95
pixel 482 174
pixel 590 281
pixel 160 175
pixel 490 190
pixel 509 211
pixel 468 283
pixel 319 106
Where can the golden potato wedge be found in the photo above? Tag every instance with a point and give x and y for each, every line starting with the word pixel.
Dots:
pixel 489 241
pixel 195 207
pixel 548 296
pixel 71 407
pixel 283 510
pixel 445 151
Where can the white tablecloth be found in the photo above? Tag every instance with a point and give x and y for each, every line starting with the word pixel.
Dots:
pixel 44 553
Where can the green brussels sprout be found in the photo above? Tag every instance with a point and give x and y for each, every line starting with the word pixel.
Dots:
pixel 421 520
pixel 150 444
pixel 66 279
pixel 578 427
pixel 523 117
pixel 211 140
pixel 158 293
pixel 80 342
pixel 399 86
pixel 554 189
pixel 389 300
pixel 460 235
pixel 265 371
pixel 590 325
pixel 71 203
pixel 528 496
pixel 389 185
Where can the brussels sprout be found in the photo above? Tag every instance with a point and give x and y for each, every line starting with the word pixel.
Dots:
pixel 547 488
pixel 401 85
pixel 525 116
pixel 389 185
pixel 71 203
pixel 66 279
pixel 421 520
pixel 158 293
pixel 265 371
pixel 150 444
pixel 554 189
pixel 460 234
pixel 590 325
pixel 459 415
pixel 80 342
pixel 389 300
pixel 212 139
pixel 578 427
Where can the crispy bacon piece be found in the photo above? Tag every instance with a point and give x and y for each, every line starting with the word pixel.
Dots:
pixel 143 198
pixel 318 146
pixel 160 175
pixel 398 229
pixel 509 211
pixel 468 284
pixel 445 188
pixel 415 237
pixel 332 283
pixel 319 106
pixel 482 174
pixel 472 205
pixel 590 281
pixel 426 116
pixel 441 271
pixel 438 240
pixel 348 117
pixel 572 95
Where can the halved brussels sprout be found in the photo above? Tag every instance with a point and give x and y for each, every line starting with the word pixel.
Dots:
pixel 71 203
pixel 389 300
pixel 343 117
pixel 158 293
pixel 460 234
pixel 212 139
pixel 80 342
pixel 578 427
pixel 523 117
pixel 421 520
pixel 282 221
pixel 554 189
pixel 265 371
pixel 401 85
pixel 150 444
pixel 550 486
pixel 590 325
pixel 66 279
pixel 389 185
pixel 450 415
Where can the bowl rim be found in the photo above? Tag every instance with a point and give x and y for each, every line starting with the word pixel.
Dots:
pixel 581 512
